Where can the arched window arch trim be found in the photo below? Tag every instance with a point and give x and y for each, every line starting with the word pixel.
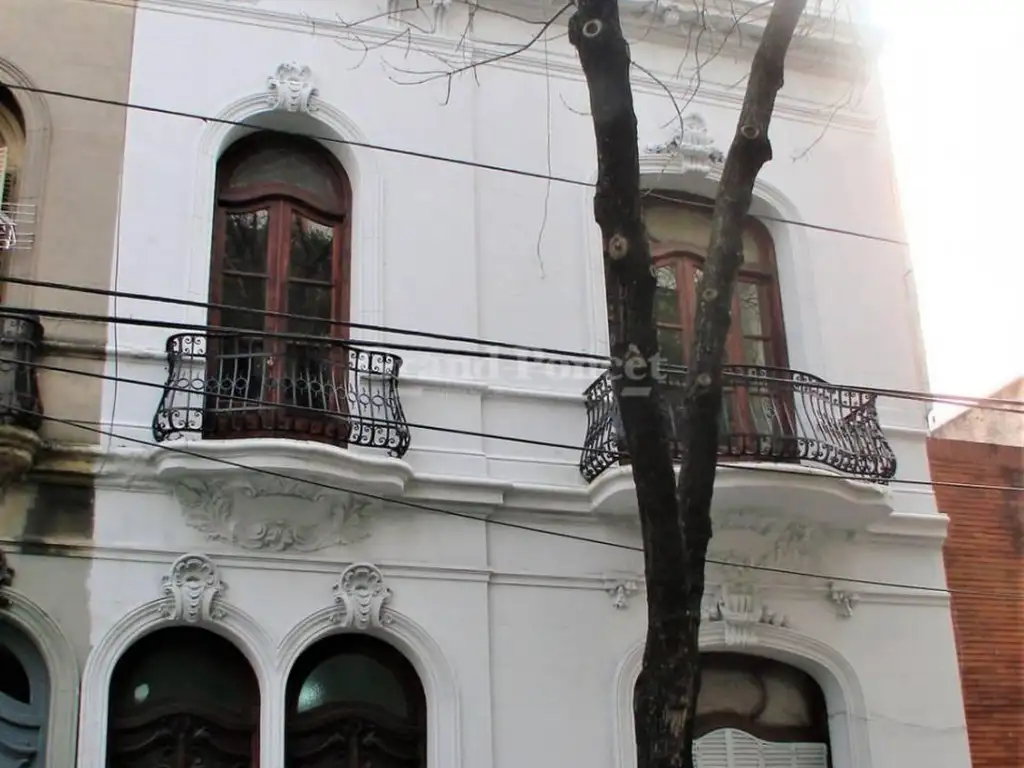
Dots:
pixel 844 695
pixel 235 626
pixel 799 296
pixel 436 674
pixel 36 625
pixel 366 185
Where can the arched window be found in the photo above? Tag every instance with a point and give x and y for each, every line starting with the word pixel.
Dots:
pixel 754 711
pixel 355 700
pixel 758 417
pixel 183 697
pixel 12 154
pixel 24 700
pixel 281 245
pixel 679 228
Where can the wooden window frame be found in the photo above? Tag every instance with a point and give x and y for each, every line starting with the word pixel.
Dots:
pixel 689 256
pixel 283 201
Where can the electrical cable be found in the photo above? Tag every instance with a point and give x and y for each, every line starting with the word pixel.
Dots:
pixel 490 521
pixel 598 361
pixel 739 465
pixel 414 154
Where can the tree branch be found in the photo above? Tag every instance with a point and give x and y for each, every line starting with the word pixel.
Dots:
pixel 675 518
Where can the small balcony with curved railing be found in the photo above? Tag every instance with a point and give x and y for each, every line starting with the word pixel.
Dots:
pixel 286 399
pixel 21 406
pixel 769 415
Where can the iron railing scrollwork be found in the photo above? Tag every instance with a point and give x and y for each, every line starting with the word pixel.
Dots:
pixel 770 414
pixel 21 339
pixel 228 385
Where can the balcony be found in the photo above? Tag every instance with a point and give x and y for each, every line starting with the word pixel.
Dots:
pixel 223 386
pixel 769 415
pixel 21 409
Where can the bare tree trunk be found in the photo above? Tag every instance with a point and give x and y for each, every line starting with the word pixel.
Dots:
pixel 675 518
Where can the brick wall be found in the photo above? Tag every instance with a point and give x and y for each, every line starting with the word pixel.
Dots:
pixel 984 555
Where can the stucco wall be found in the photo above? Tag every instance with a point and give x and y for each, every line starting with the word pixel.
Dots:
pixel 72 175
pixel 527 657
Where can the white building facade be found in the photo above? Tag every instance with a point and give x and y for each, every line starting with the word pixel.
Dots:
pixel 321 540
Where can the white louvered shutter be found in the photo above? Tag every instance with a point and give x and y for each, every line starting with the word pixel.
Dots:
pixel 730 748
pixel 712 750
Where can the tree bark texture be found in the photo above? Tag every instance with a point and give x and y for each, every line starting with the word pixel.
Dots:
pixel 675 516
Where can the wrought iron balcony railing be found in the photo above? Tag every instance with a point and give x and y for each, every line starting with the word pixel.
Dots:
pixel 768 414
pixel 21 337
pixel 229 385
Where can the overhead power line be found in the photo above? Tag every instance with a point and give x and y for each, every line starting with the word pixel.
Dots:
pixel 741 466
pixel 412 153
pixel 89 427
pixel 582 359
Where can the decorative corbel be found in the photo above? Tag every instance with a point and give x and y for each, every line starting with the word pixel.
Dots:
pixel 621 590
pixel 843 600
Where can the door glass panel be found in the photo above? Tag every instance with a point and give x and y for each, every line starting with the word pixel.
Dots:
pixel 309 300
pixel 312 246
pixel 749 297
pixel 670 340
pixel 353 679
pixel 666 296
pixel 754 352
pixel 13 678
pixel 244 293
pixel 245 244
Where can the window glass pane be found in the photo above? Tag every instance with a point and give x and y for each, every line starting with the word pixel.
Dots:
pixel 310 301
pixel 192 671
pixel 245 244
pixel 754 352
pixel 666 298
pixel 749 297
pixel 13 678
pixel 670 340
pixel 312 246
pixel 248 292
pixel 283 166
pixel 667 223
pixel 353 679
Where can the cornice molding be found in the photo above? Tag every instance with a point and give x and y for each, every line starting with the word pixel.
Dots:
pixel 380 35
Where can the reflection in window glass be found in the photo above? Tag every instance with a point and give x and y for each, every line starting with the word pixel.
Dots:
pixel 666 296
pixel 353 678
pixel 280 165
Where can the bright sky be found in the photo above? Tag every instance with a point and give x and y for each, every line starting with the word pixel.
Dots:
pixel 951 71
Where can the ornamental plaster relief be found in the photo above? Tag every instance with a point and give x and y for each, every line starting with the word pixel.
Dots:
pixel 267 513
pixel 361 598
pixel 192 590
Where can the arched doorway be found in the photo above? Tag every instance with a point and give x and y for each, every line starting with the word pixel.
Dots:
pixel 753 711
pixel 354 700
pixel 24 700
pixel 182 697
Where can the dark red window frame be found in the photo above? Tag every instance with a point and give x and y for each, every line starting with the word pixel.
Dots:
pixel 280 412
pixel 687 258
